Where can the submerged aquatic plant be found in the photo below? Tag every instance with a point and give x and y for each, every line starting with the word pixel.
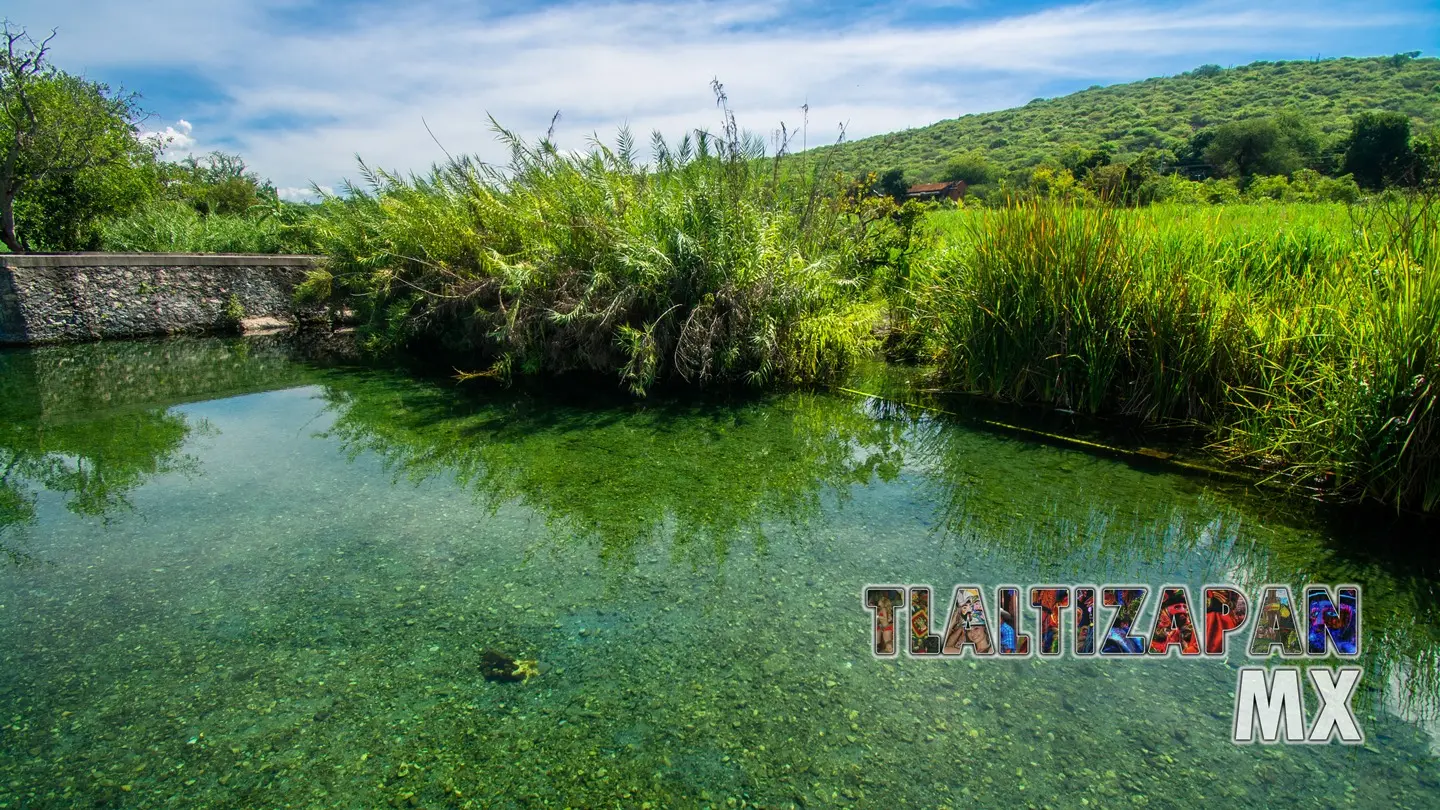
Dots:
pixel 709 263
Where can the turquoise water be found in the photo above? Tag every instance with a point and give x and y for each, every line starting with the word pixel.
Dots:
pixel 231 576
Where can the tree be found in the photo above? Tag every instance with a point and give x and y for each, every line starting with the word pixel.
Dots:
pixel 971 168
pixel 216 184
pixel 1081 161
pixel 1300 137
pixel 54 125
pixel 1427 159
pixel 1253 146
pixel 1399 59
pixel 1129 184
pixel 1190 159
pixel 892 184
pixel 64 212
pixel 1378 151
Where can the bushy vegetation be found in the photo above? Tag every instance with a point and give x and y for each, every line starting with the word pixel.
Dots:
pixel 68 148
pixel 1138 184
pixel 172 226
pixel 77 174
pixel 206 205
pixel 635 477
pixel 1164 114
pixel 1305 340
pixel 707 263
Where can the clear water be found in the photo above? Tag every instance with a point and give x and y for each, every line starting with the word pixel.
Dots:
pixel 232 577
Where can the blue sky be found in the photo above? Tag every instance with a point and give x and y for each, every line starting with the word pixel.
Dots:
pixel 299 88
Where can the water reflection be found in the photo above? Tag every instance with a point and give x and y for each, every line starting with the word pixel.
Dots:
pixel 697 475
pixel 1073 518
pixel 294 610
pixel 93 422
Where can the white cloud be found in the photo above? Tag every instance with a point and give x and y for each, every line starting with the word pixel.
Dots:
pixel 305 194
pixel 363 81
pixel 173 139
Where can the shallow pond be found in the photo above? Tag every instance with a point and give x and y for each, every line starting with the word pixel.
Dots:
pixel 231 576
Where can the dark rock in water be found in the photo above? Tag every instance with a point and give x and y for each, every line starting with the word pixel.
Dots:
pixel 497 666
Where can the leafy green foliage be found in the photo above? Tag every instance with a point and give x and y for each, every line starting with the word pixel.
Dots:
pixel 76 175
pixel 67 212
pixel 1162 114
pixel 971 168
pixel 218 183
pixel 1272 145
pixel 1378 151
pixel 892 184
pixel 62 138
pixel 708 264
pixel 1307 340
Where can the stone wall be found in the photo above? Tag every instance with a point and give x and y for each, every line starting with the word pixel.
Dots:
pixel 92 296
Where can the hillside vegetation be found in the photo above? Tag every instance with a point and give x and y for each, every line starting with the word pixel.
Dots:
pixel 1161 114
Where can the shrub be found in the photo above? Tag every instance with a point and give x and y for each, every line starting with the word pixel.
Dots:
pixel 1276 188
pixel 710 264
pixel 176 227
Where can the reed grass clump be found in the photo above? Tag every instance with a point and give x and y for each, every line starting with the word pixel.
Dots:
pixel 1307 348
pixel 709 263
pixel 176 227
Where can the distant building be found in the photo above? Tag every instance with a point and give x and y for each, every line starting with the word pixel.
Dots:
pixel 935 191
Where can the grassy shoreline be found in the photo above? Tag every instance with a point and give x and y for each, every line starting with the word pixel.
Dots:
pixel 709 265
pixel 1305 343
pixel 1302 340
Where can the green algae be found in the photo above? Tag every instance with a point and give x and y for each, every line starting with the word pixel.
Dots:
pixel 299 614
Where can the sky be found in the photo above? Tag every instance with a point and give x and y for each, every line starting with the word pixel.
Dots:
pixel 300 88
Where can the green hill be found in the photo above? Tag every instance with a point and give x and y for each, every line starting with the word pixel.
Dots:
pixel 1162 113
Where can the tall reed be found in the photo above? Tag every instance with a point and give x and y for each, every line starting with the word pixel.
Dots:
pixel 169 226
pixel 1310 349
pixel 709 263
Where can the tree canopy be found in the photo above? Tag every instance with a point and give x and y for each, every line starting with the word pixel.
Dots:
pixel 972 168
pixel 60 135
pixel 218 183
pixel 1378 151
pixel 1269 146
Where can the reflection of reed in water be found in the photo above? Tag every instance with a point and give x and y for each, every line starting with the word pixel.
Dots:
pixel 1070 517
pixel 1410 694
pixel 695 475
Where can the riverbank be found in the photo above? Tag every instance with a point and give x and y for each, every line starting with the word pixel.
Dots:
pixel 1303 342
pixel 1300 343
